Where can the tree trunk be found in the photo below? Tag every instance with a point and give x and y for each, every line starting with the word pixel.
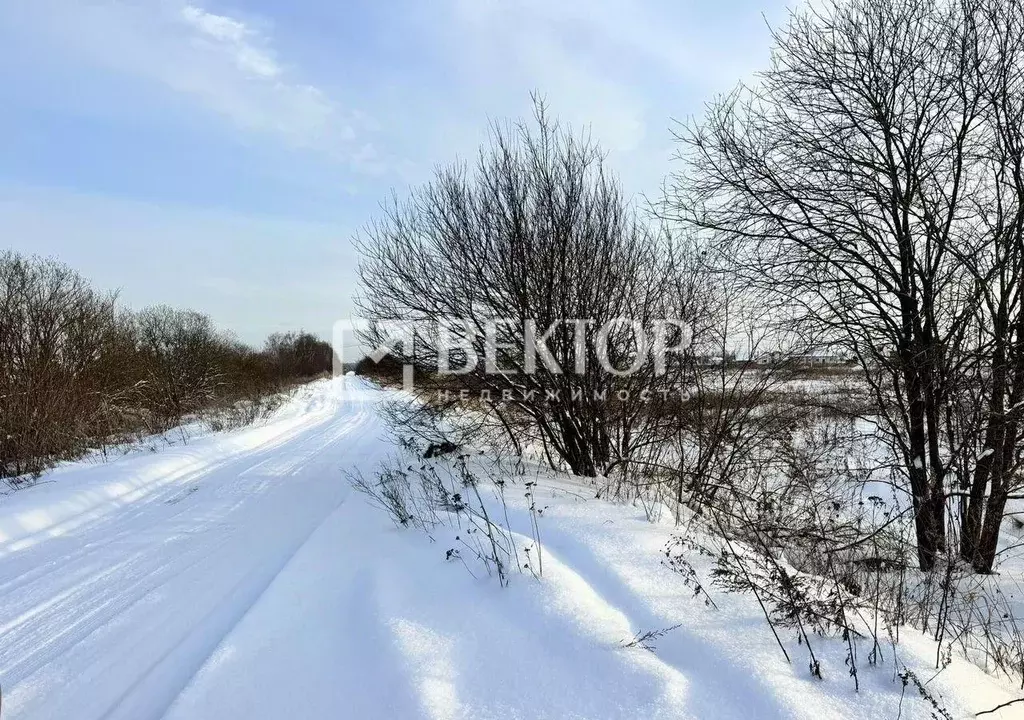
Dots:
pixel 985 554
pixel 929 521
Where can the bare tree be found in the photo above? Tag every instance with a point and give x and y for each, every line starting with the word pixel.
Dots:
pixel 57 336
pixel 994 259
pixel 299 354
pixel 867 186
pixel 534 247
pixel 181 350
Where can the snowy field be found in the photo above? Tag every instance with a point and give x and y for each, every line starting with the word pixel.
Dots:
pixel 239 576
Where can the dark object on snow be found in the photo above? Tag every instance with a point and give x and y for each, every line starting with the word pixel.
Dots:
pixel 439 449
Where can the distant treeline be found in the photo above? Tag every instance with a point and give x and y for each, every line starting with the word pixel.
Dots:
pixel 80 371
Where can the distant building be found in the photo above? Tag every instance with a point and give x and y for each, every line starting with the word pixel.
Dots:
pixel 803 359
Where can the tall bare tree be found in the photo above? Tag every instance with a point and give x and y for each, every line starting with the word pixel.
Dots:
pixel 995 261
pixel 847 185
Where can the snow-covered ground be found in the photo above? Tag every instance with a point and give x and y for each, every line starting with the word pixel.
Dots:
pixel 239 576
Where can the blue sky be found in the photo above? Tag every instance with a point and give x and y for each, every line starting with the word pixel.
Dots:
pixel 221 155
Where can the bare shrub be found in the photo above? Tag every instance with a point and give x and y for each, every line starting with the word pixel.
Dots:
pixel 299 354
pixel 823 556
pixel 60 343
pixel 537 234
pixel 180 351
pixel 465 495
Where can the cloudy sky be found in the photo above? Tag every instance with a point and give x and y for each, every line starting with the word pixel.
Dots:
pixel 220 154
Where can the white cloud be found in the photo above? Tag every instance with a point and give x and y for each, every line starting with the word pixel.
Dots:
pixel 239 42
pixel 414 79
pixel 224 65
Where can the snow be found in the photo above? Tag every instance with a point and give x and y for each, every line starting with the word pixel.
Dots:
pixel 239 576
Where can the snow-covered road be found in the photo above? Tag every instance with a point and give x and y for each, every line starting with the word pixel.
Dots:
pixel 118 580
pixel 238 576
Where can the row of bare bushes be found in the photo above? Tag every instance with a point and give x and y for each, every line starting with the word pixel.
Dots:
pixel 80 371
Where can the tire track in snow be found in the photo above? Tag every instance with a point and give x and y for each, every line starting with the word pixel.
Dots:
pixel 139 509
pixel 155 691
pixel 164 483
pixel 113 619
pixel 158 686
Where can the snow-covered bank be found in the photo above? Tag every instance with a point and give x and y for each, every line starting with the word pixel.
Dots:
pixel 82 492
pixel 388 629
pixel 240 577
